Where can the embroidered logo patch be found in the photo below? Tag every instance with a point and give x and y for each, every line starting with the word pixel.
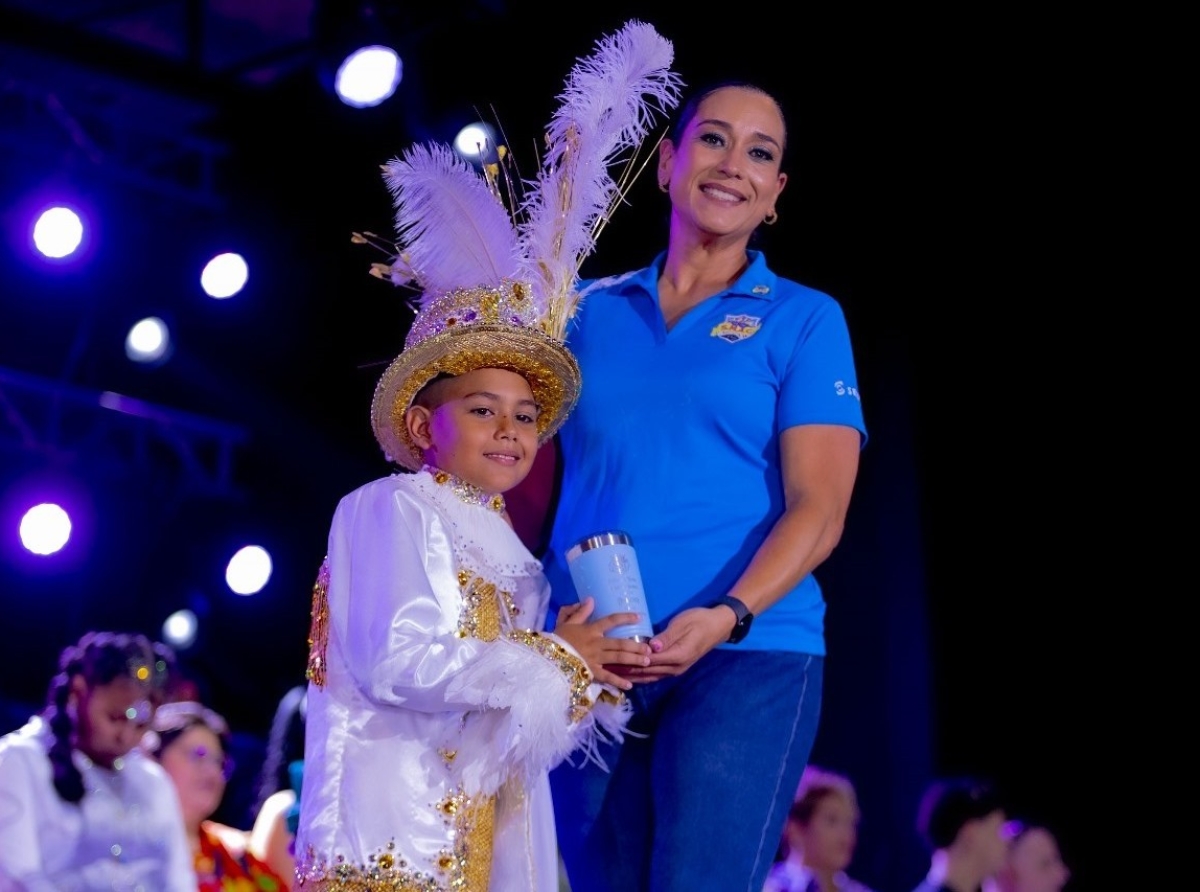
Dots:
pixel 737 328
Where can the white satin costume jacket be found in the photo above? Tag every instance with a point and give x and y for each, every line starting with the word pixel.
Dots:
pixel 435 708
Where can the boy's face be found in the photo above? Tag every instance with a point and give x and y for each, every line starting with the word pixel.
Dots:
pixel 480 427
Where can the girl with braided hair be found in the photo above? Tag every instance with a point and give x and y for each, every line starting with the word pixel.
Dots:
pixel 81 808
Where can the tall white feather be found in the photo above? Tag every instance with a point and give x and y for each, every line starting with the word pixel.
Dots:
pixel 606 109
pixel 453 230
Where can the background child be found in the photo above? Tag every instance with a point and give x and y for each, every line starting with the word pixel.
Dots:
pixel 81 807
pixel 820 836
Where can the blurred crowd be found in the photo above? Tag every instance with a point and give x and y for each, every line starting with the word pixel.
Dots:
pixel 123 779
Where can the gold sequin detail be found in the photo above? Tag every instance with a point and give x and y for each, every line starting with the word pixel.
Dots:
pixel 468 493
pixel 466 867
pixel 481 608
pixel 318 631
pixel 550 369
pixel 476 862
pixel 578 674
pixel 510 604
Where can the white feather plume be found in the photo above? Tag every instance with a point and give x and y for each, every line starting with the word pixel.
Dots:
pixel 606 109
pixel 453 229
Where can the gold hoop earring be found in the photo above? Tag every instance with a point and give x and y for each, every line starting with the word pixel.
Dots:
pixel 771 219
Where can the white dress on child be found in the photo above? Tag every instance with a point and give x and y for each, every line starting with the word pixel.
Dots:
pixel 125 835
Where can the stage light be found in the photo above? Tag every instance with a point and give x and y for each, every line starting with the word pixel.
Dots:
pixel 248 570
pixel 224 276
pixel 148 341
pixel 179 629
pixel 360 49
pixel 58 232
pixel 45 529
pixel 476 143
pixel 368 76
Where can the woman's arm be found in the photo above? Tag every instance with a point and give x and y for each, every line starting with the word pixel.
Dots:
pixel 820 465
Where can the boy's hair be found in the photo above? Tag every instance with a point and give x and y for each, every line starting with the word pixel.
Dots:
pixel 432 394
pixel 950 803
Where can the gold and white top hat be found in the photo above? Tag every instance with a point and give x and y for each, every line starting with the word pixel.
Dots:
pixel 472 329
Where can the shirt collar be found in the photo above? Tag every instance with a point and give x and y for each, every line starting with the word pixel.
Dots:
pixel 756 281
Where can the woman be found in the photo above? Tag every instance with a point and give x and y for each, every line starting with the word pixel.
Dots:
pixel 190 742
pixel 80 807
pixel 720 427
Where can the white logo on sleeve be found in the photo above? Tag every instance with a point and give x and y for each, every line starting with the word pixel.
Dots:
pixel 841 388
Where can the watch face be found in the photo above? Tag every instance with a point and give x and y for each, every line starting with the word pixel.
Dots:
pixel 744 616
pixel 740 630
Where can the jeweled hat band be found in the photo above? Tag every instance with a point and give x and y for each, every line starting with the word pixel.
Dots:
pixel 470 329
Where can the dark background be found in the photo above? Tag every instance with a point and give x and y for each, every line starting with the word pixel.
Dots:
pixel 927 193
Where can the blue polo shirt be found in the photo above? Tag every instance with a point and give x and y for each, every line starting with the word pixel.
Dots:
pixel 675 439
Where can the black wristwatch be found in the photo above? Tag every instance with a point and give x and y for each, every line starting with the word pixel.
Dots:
pixel 744 617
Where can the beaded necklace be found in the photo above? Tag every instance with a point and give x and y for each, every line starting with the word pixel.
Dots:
pixel 467 492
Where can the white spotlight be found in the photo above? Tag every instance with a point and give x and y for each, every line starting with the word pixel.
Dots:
pixel 476 143
pixel 248 570
pixel 58 232
pixel 179 629
pixel 224 276
pixel 148 340
pixel 368 76
pixel 45 528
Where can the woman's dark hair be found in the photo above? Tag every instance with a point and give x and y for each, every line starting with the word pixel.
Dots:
pixel 99 658
pixel 285 744
pixel 691 105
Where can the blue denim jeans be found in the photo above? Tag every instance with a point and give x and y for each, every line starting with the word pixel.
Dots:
pixel 699 802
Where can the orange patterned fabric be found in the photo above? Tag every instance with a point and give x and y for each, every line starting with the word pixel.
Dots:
pixel 218 870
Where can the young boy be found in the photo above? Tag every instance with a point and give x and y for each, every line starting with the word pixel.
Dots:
pixel 436 704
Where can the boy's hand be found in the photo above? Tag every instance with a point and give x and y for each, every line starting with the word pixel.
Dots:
pixel 597 651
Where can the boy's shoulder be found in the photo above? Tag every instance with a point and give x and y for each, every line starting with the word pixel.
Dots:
pixel 399 487
pixel 390 483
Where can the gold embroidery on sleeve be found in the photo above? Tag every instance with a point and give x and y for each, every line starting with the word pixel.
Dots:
pixel 318 631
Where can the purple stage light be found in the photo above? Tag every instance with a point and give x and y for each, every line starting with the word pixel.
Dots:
pixel 45 529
